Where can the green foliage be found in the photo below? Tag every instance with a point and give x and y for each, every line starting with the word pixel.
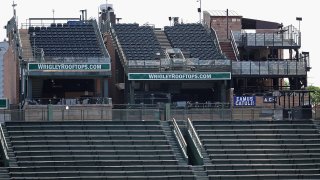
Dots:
pixel 315 96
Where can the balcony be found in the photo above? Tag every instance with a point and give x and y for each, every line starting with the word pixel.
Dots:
pixel 288 37
pixel 269 68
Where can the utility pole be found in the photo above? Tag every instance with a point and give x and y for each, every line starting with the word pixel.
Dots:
pixel 199 11
pixel 14 10
pixel 53 16
pixel 228 24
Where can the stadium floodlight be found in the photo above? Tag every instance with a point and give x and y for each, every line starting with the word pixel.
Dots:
pixel 299 19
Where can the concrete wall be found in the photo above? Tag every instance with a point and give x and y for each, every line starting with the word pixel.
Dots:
pixel 117 72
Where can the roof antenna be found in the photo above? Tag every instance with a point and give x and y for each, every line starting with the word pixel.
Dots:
pixel 14 10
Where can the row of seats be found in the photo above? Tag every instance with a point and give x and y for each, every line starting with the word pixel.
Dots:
pixel 93 149
pixel 73 37
pixel 260 149
pixel 193 38
pixel 138 42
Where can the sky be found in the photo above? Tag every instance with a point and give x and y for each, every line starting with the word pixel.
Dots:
pixel 157 12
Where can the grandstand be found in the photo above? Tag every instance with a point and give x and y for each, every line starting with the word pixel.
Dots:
pixel 193 38
pixel 66 40
pixel 123 101
pixel 154 149
pixel 93 150
pixel 260 149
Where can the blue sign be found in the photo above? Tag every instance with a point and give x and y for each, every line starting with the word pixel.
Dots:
pixel 244 100
pixel 269 99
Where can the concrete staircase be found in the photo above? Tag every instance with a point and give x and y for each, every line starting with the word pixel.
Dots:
pixel 227 49
pixel 4 174
pixel 317 124
pixel 26 45
pixel 162 38
pixel 11 155
pixel 200 172
pixel 173 142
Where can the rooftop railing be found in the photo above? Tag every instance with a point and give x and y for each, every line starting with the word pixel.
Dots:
pixel 185 64
pixel 289 36
pixel 280 67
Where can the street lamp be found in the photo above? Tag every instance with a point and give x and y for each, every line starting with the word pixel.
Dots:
pixel 299 19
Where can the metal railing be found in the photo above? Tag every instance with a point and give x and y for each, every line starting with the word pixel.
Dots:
pixel 276 67
pixel 216 41
pixel 155 112
pixel 119 48
pixel 234 46
pixel 99 36
pixel 180 138
pixel 219 65
pixel 194 136
pixel 69 101
pixel 4 144
pixel 288 36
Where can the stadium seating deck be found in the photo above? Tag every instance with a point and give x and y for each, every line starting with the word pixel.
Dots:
pixel 138 42
pixel 93 150
pixel 194 39
pixel 261 149
pixel 67 40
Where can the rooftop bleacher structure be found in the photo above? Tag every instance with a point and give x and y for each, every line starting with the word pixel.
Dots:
pixel 71 39
pixel 195 39
pixel 138 42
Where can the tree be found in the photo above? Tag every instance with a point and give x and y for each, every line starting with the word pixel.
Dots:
pixel 315 95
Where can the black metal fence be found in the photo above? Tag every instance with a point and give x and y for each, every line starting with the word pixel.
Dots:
pixel 157 113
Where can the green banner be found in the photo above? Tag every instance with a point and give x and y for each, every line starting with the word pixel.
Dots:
pixel 4 103
pixel 68 67
pixel 180 76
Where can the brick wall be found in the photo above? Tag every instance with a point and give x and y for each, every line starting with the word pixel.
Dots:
pixel 219 24
pixel 11 77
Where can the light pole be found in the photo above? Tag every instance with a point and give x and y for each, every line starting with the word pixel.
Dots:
pixel 299 19
pixel 199 10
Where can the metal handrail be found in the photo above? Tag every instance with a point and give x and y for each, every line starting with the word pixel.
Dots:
pixel 216 41
pixel 194 137
pixel 119 48
pixel 180 138
pixel 234 45
pixel 70 101
pixel 98 33
pixel 4 143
